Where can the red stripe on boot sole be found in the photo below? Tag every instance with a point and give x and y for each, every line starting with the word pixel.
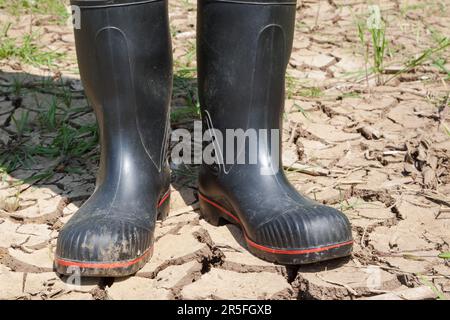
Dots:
pixel 228 213
pixel 112 265
pixel 268 249
pixel 164 198
pixel 100 265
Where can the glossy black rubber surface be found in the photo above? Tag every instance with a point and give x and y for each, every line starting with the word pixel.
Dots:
pixel 124 56
pixel 243 51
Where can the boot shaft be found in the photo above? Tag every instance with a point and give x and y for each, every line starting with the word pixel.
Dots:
pixel 243 51
pixel 125 61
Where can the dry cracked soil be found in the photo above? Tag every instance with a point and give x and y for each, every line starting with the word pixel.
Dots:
pixel 374 145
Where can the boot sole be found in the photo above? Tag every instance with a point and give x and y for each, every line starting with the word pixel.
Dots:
pixel 215 214
pixel 113 268
pixel 102 269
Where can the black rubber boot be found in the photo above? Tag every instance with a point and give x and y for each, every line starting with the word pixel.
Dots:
pixel 124 56
pixel 243 51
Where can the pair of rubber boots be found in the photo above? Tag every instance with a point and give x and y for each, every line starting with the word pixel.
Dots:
pixel 124 56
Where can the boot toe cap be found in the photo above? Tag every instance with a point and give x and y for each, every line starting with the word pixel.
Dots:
pixel 103 242
pixel 307 228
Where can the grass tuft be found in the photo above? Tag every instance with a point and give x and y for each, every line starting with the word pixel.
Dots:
pixel 26 49
pixel 423 57
pixel 377 43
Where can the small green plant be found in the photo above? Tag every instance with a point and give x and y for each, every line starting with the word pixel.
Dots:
pixel 311 92
pixel 186 4
pixel 21 123
pixel 17 87
pixel 423 57
pixel 379 47
pixel 26 49
pixel 46 174
pixel 444 255
pixel 377 43
pixel 13 157
pixel 191 52
pixel 446 129
pixel 183 113
pixel 302 110
pixel 69 142
pixel 437 292
pixel 351 94
pixel 440 64
pixel 185 86
pixel 291 85
pixel 293 88
pixel 346 205
pixel 411 7
pixel 362 39
pixel 48 118
pixel 65 96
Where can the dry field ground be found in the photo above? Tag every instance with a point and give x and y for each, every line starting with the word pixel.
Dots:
pixel 366 130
